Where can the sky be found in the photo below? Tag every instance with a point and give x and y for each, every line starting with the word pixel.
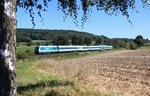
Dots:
pixel 98 23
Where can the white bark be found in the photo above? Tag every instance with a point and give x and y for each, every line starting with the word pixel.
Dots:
pixel 8 9
pixel 7 47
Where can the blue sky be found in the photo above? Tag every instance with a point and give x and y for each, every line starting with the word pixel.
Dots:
pixel 99 23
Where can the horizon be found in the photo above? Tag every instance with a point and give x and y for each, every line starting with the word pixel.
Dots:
pixel 99 23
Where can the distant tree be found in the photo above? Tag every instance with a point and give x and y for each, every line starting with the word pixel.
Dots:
pixel 22 38
pixel 81 41
pixel 100 40
pixel 29 43
pixel 35 36
pixel 75 40
pixel 62 40
pixel 139 40
pixel 87 40
pixel 47 42
pixel 118 43
pixel 133 46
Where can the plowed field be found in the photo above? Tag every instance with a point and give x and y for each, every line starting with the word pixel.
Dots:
pixel 124 73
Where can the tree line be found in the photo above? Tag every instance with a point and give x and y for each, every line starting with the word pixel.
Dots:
pixel 71 37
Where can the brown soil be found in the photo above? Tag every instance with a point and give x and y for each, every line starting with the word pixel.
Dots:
pixel 124 73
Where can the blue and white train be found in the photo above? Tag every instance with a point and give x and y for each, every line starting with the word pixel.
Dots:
pixel 57 49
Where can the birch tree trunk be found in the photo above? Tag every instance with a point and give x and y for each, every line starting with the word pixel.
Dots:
pixel 7 47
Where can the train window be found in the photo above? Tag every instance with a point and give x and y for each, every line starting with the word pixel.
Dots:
pixel 85 47
pixel 54 48
pixel 48 48
pixel 69 48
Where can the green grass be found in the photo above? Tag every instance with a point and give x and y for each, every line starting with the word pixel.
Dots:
pixel 145 47
pixel 72 55
pixel 38 40
pixel 24 52
pixel 34 82
pixel 21 49
pixel 30 79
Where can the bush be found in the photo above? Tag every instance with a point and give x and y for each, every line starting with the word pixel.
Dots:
pixel 139 40
pixel 133 46
pixel 25 54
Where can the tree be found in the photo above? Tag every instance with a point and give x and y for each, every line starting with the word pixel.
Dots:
pixel 81 41
pixel 139 40
pixel 68 7
pixel 100 40
pixel 62 40
pixel 118 43
pixel 75 40
pixel 133 46
pixel 29 43
pixel 7 47
pixel 87 40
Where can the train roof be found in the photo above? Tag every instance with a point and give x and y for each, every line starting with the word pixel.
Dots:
pixel 71 46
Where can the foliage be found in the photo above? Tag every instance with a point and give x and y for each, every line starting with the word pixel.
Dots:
pixel 79 40
pixel 76 40
pixel 88 41
pixel 145 47
pixel 29 43
pixel 48 35
pixel 25 52
pixel 118 43
pixel 100 40
pixel 72 7
pixel 139 40
pixel 66 37
pixel 22 38
pixel 61 40
pixel 133 46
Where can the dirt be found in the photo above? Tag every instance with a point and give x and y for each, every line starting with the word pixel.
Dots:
pixel 124 73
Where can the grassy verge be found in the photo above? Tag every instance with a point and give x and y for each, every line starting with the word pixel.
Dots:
pixel 145 47
pixel 35 82
pixel 25 52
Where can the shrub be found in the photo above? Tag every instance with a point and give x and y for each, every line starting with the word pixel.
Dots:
pixel 25 54
pixel 133 46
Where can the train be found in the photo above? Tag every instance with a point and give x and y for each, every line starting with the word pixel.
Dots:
pixel 69 48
